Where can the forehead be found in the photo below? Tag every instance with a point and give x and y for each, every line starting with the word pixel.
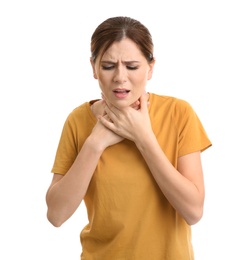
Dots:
pixel 126 49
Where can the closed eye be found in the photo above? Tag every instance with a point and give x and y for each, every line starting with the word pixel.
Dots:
pixel 112 67
pixel 132 67
pixel 107 67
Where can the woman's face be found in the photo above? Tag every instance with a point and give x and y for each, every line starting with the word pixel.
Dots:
pixel 122 73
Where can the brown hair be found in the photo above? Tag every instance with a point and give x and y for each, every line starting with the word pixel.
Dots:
pixel 115 29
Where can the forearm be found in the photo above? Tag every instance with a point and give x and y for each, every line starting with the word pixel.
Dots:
pixel 182 194
pixel 64 197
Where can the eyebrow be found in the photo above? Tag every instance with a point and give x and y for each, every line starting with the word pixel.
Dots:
pixel 124 62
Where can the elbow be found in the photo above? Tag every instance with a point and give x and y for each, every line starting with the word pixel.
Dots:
pixel 55 221
pixel 194 217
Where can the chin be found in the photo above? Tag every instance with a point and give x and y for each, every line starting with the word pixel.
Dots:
pixel 122 103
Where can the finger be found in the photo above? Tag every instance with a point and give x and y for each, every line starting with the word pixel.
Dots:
pixel 111 110
pixel 106 121
pixel 136 105
pixel 144 101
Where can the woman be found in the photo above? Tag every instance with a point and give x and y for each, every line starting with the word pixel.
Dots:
pixel 134 157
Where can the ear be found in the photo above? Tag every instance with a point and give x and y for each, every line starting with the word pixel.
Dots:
pixel 151 68
pixel 93 68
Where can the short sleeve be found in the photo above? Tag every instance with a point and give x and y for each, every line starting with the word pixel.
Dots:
pixel 192 135
pixel 67 149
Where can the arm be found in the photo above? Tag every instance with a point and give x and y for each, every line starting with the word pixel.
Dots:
pixel 66 192
pixel 184 188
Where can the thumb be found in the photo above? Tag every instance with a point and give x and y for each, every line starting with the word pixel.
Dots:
pixel 144 103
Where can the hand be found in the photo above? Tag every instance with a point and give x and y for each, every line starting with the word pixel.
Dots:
pixel 104 136
pixel 131 122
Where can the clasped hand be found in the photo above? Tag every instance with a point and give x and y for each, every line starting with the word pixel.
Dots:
pixel 132 123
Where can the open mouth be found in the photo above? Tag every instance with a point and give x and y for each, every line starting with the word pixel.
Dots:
pixel 121 91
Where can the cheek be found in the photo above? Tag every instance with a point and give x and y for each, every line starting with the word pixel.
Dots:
pixel 142 76
pixel 140 80
pixel 104 78
pixel 101 86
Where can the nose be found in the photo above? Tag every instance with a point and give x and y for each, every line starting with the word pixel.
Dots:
pixel 120 75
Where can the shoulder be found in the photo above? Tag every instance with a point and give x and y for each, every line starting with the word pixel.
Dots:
pixel 171 102
pixel 82 109
pixel 80 113
pixel 80 120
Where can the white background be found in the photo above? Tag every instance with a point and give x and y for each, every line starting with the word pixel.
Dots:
pixel 200 48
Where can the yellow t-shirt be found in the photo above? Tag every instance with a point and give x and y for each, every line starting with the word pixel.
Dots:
pixel 129 217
